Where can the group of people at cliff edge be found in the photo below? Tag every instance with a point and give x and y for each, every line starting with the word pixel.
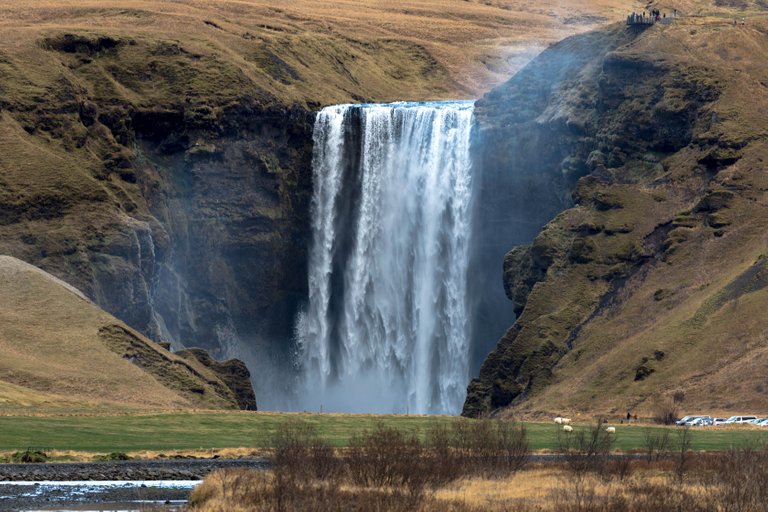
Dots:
pixel 647 19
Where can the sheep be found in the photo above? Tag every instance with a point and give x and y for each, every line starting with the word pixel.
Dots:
pixel 559 420
pixel 566 421
pixel 610 430
pixel 567 428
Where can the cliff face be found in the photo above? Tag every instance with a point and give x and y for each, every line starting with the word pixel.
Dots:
pixel 234 201
pixel 663 154
pixel 163 184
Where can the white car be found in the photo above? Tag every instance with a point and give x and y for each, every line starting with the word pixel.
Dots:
pixel 702 421
pixel 739 419
pixel 718 421
pixel 685 420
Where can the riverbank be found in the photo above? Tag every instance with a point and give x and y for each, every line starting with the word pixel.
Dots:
pixel 160 470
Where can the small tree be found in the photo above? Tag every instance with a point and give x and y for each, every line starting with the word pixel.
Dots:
pixel 683 455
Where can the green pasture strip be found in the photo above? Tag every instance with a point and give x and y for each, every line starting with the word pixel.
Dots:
pixel 631 438
pixel 193 431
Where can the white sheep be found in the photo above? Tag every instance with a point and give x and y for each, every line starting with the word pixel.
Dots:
pixel 559 420
pixel 610 430
pixel 566 421
pixel 567 428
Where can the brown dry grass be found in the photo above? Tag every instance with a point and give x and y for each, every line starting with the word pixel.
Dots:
pixel 341 49
pixel 544 488
pixel 53 357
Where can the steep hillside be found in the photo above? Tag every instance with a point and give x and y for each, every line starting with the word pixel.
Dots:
pixel 59 351
pixel 651 288
pixel 156 155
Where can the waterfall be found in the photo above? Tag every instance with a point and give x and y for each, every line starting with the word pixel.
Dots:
pixel 386 327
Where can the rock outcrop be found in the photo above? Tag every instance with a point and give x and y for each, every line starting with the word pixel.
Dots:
pixel 652 137
pixel 232 372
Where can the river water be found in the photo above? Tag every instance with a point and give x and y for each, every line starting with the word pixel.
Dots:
pixel 110 495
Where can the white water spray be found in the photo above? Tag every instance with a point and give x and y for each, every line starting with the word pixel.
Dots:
pixel 386 328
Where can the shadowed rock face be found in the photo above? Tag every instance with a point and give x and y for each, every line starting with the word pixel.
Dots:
pixel 235 207
pixel 225 266
pixel 594 124
pixel 529 149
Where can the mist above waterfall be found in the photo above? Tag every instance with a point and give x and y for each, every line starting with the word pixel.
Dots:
pixel 386 328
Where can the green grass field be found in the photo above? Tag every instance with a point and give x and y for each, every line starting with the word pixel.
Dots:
pixel 196 431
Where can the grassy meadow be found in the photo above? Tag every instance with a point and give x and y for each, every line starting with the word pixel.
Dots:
pixel 208 432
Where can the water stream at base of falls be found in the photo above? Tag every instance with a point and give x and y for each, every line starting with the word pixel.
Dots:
pixel 386 328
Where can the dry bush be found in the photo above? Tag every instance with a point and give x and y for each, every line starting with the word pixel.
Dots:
pixel 384 469
pixel 300 453
pixel 656 442
pixel 740 479
pixel 387 457
pixel 586 451
pixel 666 414
pixel 619 468
pixel 487 447
pixel 257 491
pixel 682 453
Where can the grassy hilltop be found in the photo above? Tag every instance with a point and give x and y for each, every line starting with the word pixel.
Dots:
pixel 316 52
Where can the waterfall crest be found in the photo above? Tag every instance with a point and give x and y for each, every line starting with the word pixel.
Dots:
pixel 386 328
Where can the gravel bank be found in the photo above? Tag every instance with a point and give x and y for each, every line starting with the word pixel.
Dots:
pixel 176 469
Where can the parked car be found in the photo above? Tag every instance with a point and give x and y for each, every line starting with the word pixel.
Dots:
pixel 757 420
pixel 763 423
pixel 718 421
pixel 739 419
pixel 701 421
pixel 685 419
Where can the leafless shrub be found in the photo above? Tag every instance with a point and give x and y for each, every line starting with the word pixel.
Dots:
pixel 618 467
pixel 682 452
pixel 656 442
pixel 586 450
pixel 300 453
pixel 447 463
pixel 577 494
pixel 256 491
pixel 666 414
pixel 490 447
pixel 740 479
pixel 388 457
pixel 389 469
